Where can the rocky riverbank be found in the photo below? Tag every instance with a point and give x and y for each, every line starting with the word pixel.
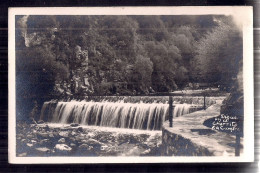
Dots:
pixel 75 140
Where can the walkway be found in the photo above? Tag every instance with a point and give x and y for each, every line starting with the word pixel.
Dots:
pixel 191 127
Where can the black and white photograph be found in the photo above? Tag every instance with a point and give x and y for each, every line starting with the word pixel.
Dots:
pixel 131 85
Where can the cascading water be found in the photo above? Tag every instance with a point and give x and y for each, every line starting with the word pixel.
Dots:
pixel 149 116
pixel 181 109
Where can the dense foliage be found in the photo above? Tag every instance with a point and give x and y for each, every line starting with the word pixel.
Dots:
pixel 125 55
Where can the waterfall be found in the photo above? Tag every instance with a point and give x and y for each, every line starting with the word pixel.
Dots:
pixel 181 109
pixel 149 116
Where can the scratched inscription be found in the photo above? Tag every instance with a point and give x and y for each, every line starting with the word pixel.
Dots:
pixel 226 123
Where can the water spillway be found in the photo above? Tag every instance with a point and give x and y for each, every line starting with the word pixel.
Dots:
pixel 148 116
pixel 198 100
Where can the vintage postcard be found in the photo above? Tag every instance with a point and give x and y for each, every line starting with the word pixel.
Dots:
pixel 131 85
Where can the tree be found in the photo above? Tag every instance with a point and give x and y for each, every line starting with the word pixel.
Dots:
pixel 37 69
pixel 219 53
pixel 36 74
pixel 119 54
pixel 143 69
pixel 165 61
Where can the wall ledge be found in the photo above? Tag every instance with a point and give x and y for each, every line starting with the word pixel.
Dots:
pixel 189 137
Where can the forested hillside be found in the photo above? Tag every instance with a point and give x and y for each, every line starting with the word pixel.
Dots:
pixel 124 55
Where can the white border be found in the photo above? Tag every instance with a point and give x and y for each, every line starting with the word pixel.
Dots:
pixel 244 14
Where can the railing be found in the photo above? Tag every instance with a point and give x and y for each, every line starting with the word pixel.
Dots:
pixel 171 107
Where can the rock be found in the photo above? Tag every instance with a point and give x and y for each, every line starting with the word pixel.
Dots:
pixel 40 122
pixel 62 147
pixel 80 129
pixel 22 155
pixel 44 141
pixel 51 135
pixel 46 127
pixel 33 141
pixel 90 135
pixel 30 136
pixel 55 134
pixel 84 141
pixel 64 134
pixel 29 145
pixel 104 147
pixel 66 128
pixel 20 135
pixel 93 141
pixel 79 138
pixel 72 139
pixel 43 150
pixel 96 144
pixel 84 146
pixel 33 125
pixel 73 133
pixel 61 140
pixel 146 152
pixel 74 124
pixel 86 150
pixel 42 135
pixel 72 145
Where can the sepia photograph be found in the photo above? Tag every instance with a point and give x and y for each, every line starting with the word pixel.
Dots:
pixel 131 85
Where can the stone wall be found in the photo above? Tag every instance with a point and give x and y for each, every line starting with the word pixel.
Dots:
pixel 189 137
pixel 176 145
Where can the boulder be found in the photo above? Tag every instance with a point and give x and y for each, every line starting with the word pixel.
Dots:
pixel 22 154
pixel 62 147
pixel 66 128
pixel 34 141
pixel 145 152
pixel 84 146
pixel 80 129
pixel 73 133
pixel 84 141
pixel 104 147
pixel 74 124
pixel 44 142
pixel 72 145
pixel 94 143
pixel 90 135
pixel 64 134
pixel 55 134
pixel 42 135
pixel 43 150
pixel 29 145
pixel 29 136
pixel 20 135
pixel 61 140
pixel 85 149
pixel 33 125
pixel 46 127
pixel 72 139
